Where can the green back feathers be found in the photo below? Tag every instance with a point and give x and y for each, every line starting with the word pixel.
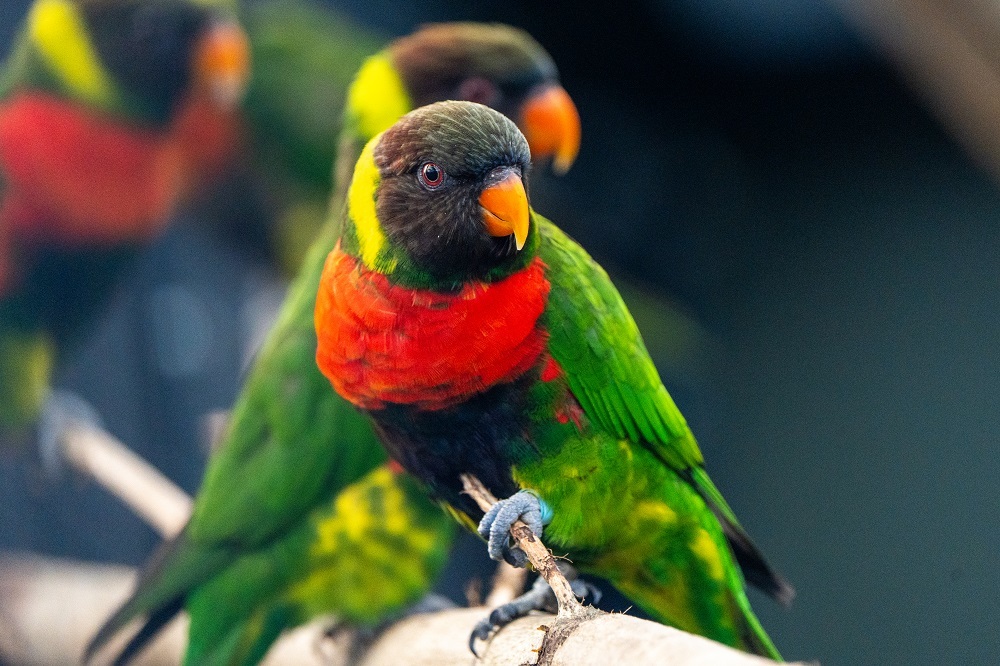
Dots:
pixel 380 528
pixel 608 368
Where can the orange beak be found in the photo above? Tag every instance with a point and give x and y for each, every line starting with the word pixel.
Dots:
pixel 222 63
pixel 505 208
pixel 551 124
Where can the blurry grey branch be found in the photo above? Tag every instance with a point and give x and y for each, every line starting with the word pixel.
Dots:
pixel 949 50
pixel 98 455
pixel 539 556
pixel 50 608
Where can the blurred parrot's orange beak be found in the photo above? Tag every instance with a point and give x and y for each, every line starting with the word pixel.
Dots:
pixel 551 124
pixel 222 63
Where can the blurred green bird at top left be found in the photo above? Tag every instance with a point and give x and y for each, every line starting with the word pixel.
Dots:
pixel 274 200
pixel 112 113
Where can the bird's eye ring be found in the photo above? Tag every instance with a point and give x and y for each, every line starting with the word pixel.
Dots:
pixel 431 175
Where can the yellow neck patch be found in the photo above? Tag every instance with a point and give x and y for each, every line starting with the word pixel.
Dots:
pixel 58 31
pixel 361 210
pixel 377 97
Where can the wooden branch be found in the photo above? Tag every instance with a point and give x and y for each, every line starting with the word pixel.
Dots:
pixel 539 556
pixel 151 495
pixel 49 608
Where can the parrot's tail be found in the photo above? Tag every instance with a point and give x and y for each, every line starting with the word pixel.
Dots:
pixel 756 570
pixel 160 594
pixel 752 635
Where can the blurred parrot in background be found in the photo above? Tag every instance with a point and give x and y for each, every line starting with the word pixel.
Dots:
pixel 299 514
pixel 110 114
pixel 305 57
pixel 481 339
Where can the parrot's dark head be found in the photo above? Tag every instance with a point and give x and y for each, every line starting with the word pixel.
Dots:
pixel 439 198
pixel 492 64
pixel 139 58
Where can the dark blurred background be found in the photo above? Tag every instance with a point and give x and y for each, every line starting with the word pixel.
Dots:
pixel 767 168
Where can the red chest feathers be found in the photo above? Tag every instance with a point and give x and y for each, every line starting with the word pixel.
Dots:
pixel 380 343
pixel 90 178
pixel 79 177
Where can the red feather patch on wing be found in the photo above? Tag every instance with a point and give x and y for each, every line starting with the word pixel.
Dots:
pixel 381 343
pixel 98 179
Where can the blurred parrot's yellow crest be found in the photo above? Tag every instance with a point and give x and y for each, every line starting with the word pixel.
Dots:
pixel 377 97
pixel 58 30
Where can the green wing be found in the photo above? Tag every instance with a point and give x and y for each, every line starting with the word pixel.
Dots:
pixel 281 455
pixel 612 376
pixel 608 368
pixel 277 463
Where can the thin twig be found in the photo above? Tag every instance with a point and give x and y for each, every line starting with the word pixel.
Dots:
pixel 539 556
pixel 154 497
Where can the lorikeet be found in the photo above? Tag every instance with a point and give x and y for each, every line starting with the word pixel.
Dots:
pixel 481 339
pixel 287 525
pixel 274 203
pixel 305 56
pixel 109 113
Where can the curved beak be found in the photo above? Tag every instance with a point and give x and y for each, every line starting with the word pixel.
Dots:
pixel 551 124
pixel 222 63
pixel 505 206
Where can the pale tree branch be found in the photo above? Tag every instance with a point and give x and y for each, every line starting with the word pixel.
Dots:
pixel 153 497
pixel 49 609
pixel 949 52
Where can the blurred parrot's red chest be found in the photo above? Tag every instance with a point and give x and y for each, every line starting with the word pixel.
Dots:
pixel 381 343
pixel 75 177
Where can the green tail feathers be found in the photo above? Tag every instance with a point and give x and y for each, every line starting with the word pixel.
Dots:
pixel 159 597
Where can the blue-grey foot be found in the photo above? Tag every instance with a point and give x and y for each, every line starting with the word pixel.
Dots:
pixel 495 525
pixel 63 409
pixel 539 597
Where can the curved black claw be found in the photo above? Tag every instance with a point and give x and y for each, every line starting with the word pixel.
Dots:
pixel 539 597
pixel 495 525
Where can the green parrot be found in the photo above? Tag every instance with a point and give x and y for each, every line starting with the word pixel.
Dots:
pixel 110 113
pixel 298 514
pixel 480 339
pixel 275 201
pixel 305 57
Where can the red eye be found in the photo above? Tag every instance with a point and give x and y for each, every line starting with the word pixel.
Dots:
pixel 431 175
